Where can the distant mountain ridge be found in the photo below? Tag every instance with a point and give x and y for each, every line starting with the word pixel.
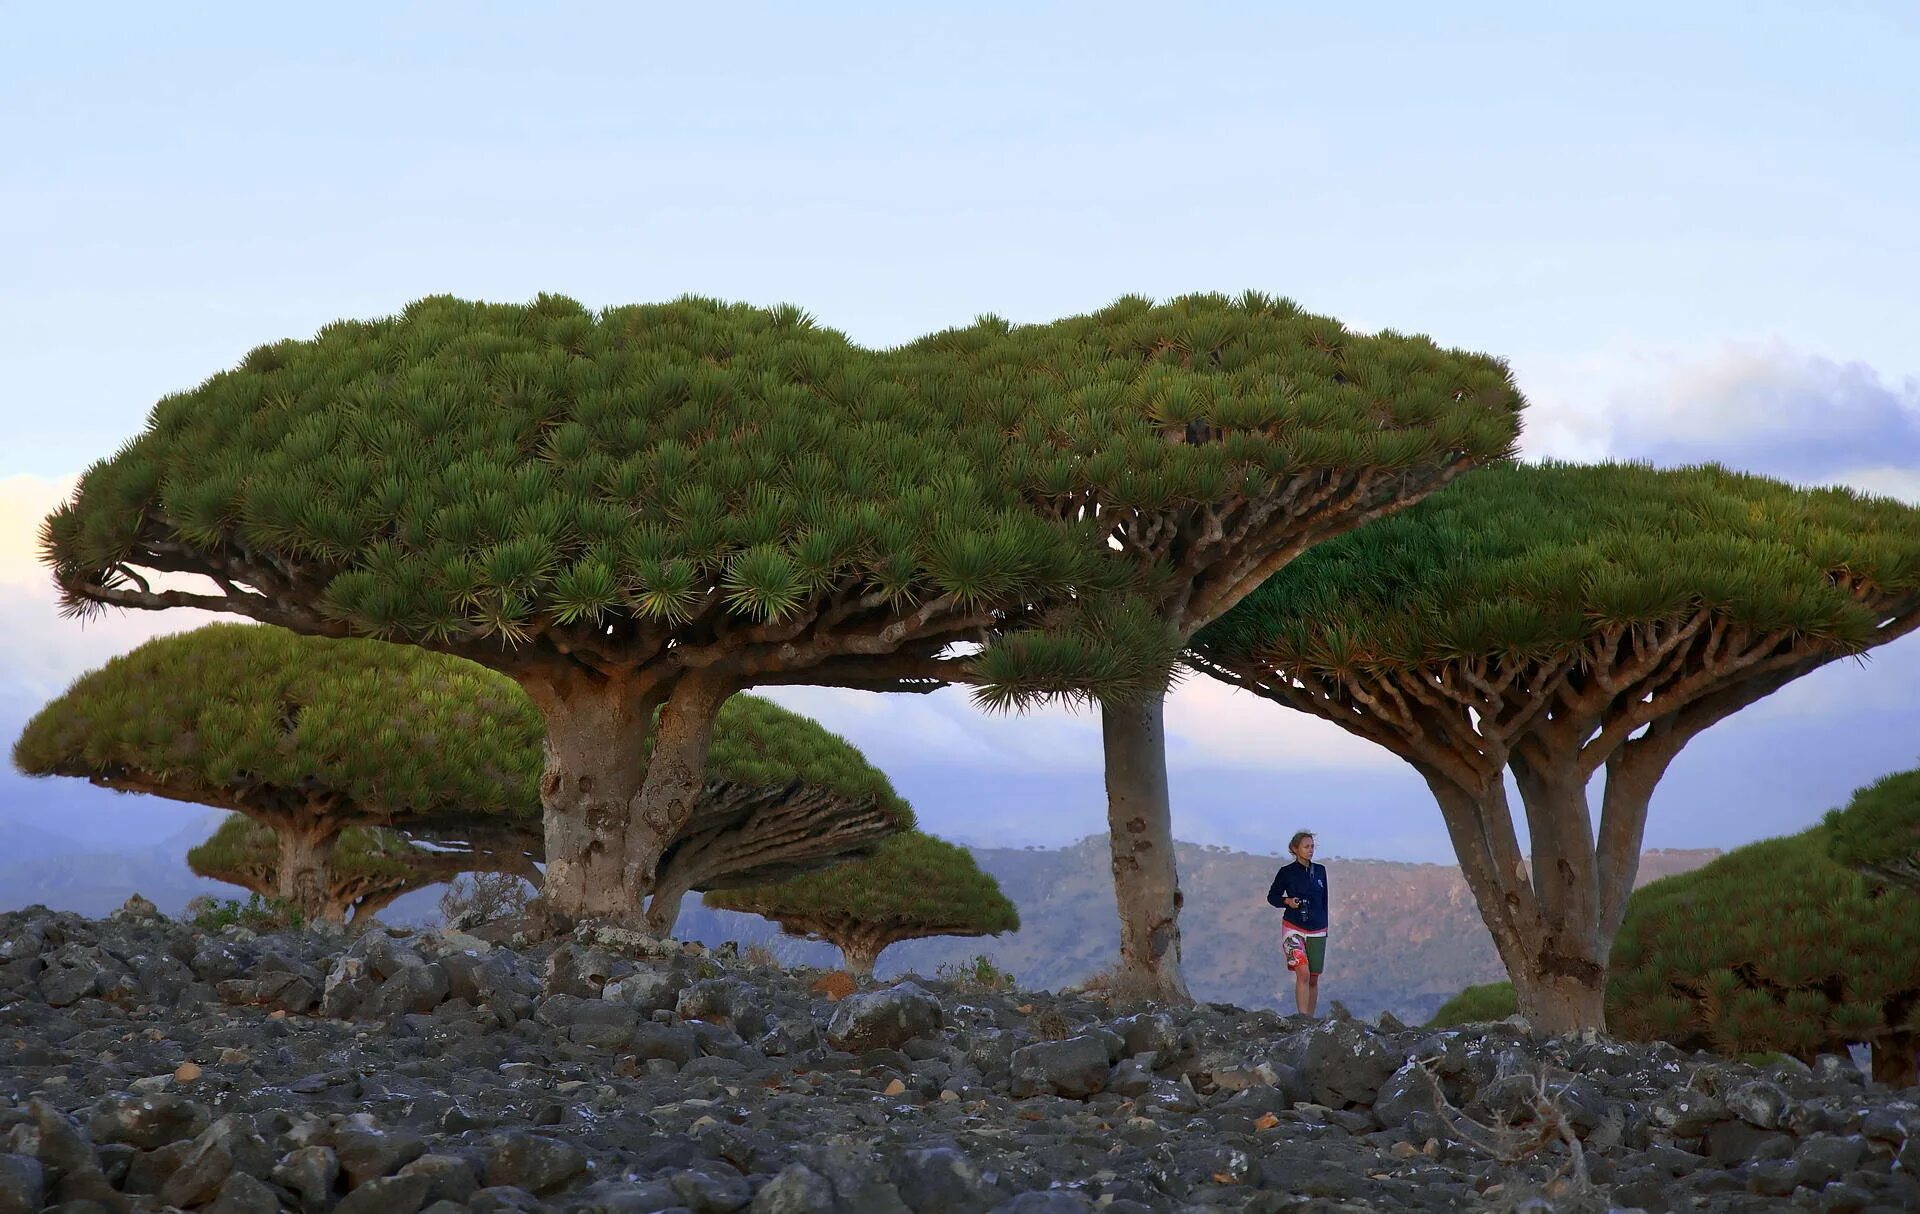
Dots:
pixel 1405 937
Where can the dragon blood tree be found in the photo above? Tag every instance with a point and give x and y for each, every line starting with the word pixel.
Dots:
pixel 312 737
pixel 1773 947
pixel 1558 621
pixel 307 737
pixel 368 868
pixel 1211 441
pixel 913 887
pixel 783 797
pixel 633 513
pixel 1878 833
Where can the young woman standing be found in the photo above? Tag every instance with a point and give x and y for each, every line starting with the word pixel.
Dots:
pixel 1300 890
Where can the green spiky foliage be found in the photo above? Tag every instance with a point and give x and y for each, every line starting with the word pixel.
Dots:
pixel 308 737
pixel 641 508
pixel 1476 1005
pixel 1556 621
pixel 914 886
pixel 784 797
pixel 1878 833
pixel 367 869
pixel 1772 947
pixel 1212 439
pixel 312 737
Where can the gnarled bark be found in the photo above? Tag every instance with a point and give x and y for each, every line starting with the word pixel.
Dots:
pixel 596 765
pixel 300 874
pixel 675 775
pixel 1146 886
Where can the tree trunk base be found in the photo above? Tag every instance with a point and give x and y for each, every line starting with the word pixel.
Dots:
pixel 1146 886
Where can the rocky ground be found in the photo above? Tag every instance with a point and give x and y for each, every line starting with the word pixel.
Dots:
pixel 145 1065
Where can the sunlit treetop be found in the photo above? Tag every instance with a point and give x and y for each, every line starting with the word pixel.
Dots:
pixel 1214 438
pixel 247 717
pixel 1532 561
pixel 914 885
pixel 524 483
pixel 266 721
pixel 649 486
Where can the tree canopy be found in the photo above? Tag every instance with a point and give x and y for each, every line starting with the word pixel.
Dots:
pixel 1213 440
pixel 1772 948
pixel 1557 620
pixel 277 725
pixel 313 736
pixel 652 507
pixel 366 870
pixel 912 887
pixel 1878 832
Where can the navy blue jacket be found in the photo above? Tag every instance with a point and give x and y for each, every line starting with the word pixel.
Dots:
pixel 1308 885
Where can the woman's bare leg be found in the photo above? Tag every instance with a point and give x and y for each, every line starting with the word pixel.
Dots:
pixel 1310 1001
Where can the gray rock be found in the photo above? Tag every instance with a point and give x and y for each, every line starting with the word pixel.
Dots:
pixel 1343 1062
pixel 531 1162
pixel 1687 1113
pixel 366 1155
pixel 1758 1103
pixel 1734 1142
pixel 23 1184
pixel 1045 1201
pixel 1075 1067
pixel 147 1172
pixel 243 1194
pixel 673 1042
pixel 62 1146
pixel 624 1197
pixel 227 1146
pixel 449 1177
pixel 798 1189
pixel 309 1172
pixel 710 1192
pixel 712 999
pixel 940 1180
pixel 503 1199
pixel 603 1025
pixel 1410 1099
pixel 147 1122
pixel 887 1018
pixel 646 990
pixel 387 1195
pixel 415 988
pixel 1155 1033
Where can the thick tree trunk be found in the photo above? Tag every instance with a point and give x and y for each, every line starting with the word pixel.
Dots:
pixel 300 879
pixel 596 765
pixel 675 775
pixel 1146 886
pixel 1561 987
pixel 1555 992
pixel 1896 1059
pixel 859 959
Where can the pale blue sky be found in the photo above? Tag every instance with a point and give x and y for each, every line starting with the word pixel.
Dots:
pixel 1690 227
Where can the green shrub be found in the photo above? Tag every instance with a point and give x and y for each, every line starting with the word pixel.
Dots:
pixel 1490 1001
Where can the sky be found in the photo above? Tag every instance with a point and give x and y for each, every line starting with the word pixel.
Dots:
pixel 1688 228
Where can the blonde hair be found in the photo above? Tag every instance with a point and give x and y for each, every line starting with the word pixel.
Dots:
pixel 1297 836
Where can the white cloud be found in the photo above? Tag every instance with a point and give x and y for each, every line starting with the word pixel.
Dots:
pixel 1759 406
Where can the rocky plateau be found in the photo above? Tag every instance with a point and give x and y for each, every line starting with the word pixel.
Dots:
pixel 146 1065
